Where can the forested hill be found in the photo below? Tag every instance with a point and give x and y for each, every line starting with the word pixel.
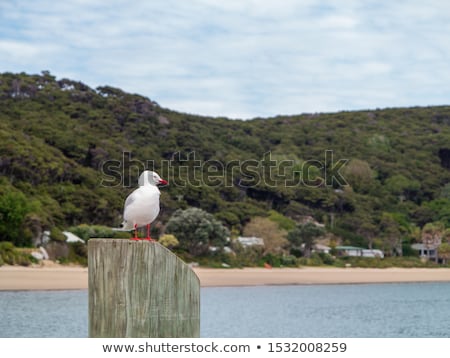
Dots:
pixel 64 145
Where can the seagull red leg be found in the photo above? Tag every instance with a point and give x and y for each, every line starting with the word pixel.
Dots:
pixel 148 233
pixel 135 238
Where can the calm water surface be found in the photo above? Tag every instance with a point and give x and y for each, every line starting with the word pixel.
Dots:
pixel 384 310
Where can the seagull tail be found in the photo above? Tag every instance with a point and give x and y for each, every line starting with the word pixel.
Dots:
pixel 123 227
pixel 120 229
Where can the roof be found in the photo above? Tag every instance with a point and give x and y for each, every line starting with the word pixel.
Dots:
pixel 250 241
pixel 72 237
pixel 348 248
pixel 423 247
pixel 322 247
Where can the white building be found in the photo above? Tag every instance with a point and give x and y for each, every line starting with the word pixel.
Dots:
pixel 250 241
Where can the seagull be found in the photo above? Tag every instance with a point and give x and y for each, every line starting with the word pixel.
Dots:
pixel 142 205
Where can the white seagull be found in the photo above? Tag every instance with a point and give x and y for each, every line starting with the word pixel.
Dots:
pixel 142 205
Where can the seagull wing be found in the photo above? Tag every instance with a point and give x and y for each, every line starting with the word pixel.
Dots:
pixel 126 225
pixel 129 200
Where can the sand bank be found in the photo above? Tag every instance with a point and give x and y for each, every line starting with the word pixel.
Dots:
pixel 320 275
pixel 59 277
pixel 43 278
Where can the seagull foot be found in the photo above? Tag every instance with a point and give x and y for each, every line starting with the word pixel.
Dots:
pixel 148 239
pixel 135 239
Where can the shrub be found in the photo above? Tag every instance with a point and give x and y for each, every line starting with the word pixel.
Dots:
pixel 169 241
pixel 57 235
pixel 197 230
pixel 14 208
pixel 246 255
pixel 289 260
pixel 271 259
pixel 406 262
pixel 315 260
pixel 10 255
pixel 327 259
pixel 77 253
pixel 83 231
pixel 283 222
pixel 87 232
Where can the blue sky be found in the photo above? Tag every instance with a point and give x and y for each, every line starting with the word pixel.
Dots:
pixel 239 58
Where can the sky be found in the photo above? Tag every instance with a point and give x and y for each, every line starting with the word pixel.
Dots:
pixel 239 58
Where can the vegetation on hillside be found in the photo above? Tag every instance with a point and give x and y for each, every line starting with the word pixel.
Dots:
pixel 70 154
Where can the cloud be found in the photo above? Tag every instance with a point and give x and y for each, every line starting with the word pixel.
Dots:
pixel 239 58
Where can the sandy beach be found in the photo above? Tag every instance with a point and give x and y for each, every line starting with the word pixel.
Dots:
pixel 58 277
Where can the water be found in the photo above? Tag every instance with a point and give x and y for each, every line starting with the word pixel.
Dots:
pixel 43 314
pixel 384 310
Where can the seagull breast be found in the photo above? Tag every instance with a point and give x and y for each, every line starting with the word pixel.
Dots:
pixel 142 206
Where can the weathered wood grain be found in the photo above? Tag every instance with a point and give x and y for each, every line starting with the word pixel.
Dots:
pixel 140 289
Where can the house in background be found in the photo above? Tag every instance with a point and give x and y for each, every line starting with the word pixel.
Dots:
pixel 349 251
pixel 358 252
pixel 429 252
pixel 322 248
pixel 373 253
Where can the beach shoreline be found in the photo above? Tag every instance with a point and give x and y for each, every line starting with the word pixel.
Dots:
pixel 60 277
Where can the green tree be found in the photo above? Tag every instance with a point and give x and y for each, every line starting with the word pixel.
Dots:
pixel 14 208
pixel 445 191
pixel 197 230
pixel 432 234
pixel 391 234
pixel 440 209
pixel 56 137
pixel 402 187
pixel 444 252
pixel 283 222
pixel 446 236
pixel 306 234
pixel 359 175
pixel 268 230
pixel 368 230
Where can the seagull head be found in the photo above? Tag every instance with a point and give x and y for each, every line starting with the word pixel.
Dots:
pixel 148 177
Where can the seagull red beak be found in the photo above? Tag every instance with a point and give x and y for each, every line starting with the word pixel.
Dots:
pixel 163 182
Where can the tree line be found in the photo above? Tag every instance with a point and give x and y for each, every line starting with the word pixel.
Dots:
pixel 58 136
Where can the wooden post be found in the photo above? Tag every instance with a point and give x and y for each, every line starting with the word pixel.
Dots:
pixel 140 289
